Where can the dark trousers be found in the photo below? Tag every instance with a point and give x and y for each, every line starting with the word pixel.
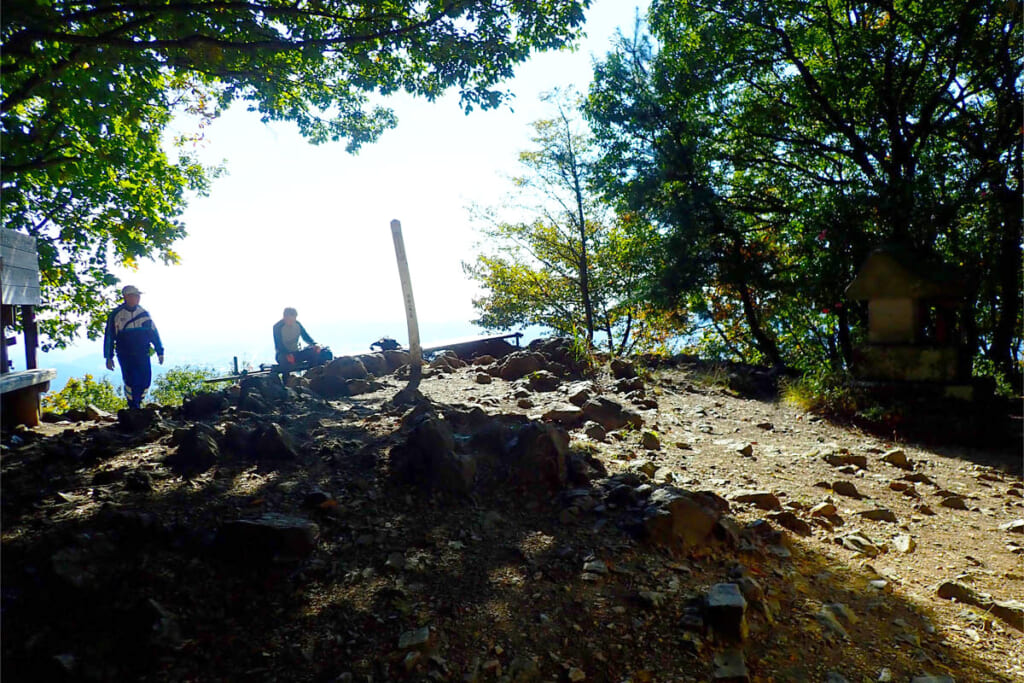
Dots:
pixel 137 374
pixel 306 355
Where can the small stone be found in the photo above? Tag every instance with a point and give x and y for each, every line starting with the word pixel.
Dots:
pixel 197 450
pixel 650 441
pixel 731 667
pixel 417 639
pixel 646 467
pixel 831 624
pixel 904 544
pixel 97 414
pixel 524 403
pixel 767 426
pixel 879 515
pixel 726 610
pixel 746 449
pixel 861 544
pixel 576 675
pixel 137 419
pixel 483 378
pixel 664 475
pixel 766 500
pixel 790 521
pixel 1014 527
pixel 610 414
pixel 823 510
pixel 138 481
pixel 411 660
pixel 579 393
pixel 677 518
pixel 955 502
pixel 898 458
pixel 651 599
pixel 842 612
pixel 622 369
pixel 595 431
pixel 846 488
pixel 564 414
pixel 1010 611
pixel 269 536
pixel 846 460
pixel 271 442
pixel 543 381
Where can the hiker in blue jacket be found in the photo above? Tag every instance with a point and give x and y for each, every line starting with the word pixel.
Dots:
pixel 130 332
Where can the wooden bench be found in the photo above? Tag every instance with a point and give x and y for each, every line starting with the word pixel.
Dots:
pixel 19 395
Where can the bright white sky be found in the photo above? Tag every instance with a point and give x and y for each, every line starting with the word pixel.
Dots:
pixel 292 224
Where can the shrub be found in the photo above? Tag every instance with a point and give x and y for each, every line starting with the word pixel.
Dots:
pixel 79 393
pixel 824 392
pixel 172 387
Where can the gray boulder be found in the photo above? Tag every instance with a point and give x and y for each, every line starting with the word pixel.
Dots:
pixel 726 611
pixel 197 450
pixel 346 367
pixel 520 364
pixel 375 363
pixel 537 456
pixel 396 358
pixel 427 458
pixel 203 405
pixel 610 414
pixel 678 519
pixel 622 368
pixel 542 380
pixel 271 442
pixel 268 537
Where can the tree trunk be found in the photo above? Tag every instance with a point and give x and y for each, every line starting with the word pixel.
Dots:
pixel 765 344
pixel 625 335
pixel 845 345
pixel 1009 278
pixel 588 305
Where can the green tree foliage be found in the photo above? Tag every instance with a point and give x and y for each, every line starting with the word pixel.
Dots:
pixel 778 142
pixel 77 394
pixel 87 91
pixel 172 387
pixel 572 265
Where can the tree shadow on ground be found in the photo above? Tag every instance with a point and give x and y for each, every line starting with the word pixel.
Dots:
pixel 136 588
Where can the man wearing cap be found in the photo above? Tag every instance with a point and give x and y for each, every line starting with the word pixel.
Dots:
pixel 130 332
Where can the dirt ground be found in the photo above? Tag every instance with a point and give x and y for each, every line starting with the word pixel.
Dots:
pixel 113 567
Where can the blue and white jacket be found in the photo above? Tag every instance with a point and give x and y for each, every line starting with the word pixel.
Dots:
pixel 130 331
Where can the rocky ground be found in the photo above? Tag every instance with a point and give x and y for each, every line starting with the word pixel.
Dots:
pixel 522 519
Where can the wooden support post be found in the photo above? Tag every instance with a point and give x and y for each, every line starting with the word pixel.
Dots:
pixel 4 367
pixel 28 321
pixel 415 353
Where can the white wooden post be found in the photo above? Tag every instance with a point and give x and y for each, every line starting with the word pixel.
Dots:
pixel 415 353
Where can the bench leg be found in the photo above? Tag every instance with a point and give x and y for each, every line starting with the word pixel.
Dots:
pixel 21 407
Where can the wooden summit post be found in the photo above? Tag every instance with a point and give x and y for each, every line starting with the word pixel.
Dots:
pixel 415 353
pixel 19 289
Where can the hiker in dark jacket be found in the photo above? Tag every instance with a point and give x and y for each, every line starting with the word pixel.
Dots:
pixel 130 333
pixel 287 332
